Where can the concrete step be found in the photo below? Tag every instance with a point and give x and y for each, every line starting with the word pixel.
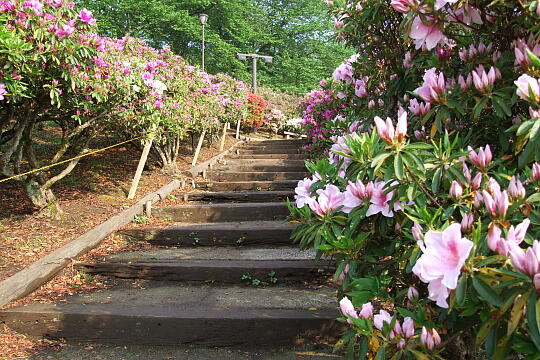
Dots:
pixel 223 212
pixel 246 185
pixel 237 196
pixel 257 168
pixel 224 265
pixel 246 233
pixel 168 314
pixel 270 156
pixel 256 175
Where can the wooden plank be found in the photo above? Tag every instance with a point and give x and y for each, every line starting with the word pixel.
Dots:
pixel 257 233
pixel 194 171
pixel 171 325
pixel 223 136
pixel 41 271
pixel 224 271
pixel 247 185
pixel 224 212
pixel 256 175
pixel 236 196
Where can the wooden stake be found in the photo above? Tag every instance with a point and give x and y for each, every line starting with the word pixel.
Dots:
pixel 199 145
pixel 223 136
pixel 140 168
pixel 238 129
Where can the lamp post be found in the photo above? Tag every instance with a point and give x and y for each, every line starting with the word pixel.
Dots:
pixel 267 59
pixel 203 18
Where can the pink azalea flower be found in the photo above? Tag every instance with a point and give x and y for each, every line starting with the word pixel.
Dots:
pixel 86 17
pixel 535 175
pixel 444 253
pixel 412 293
pixel 379 200
pixel 419 108
pixel 528 88
pixel 382 317
pixel 386 130
pixel 329 199
pixel 3 91
pixel 433 87
pixel 303 195
pixel 344 72
pixel 430 35
pixel 401 5
pixel 516 189
pixel 527 261
pixel 355 194
pixel 347 309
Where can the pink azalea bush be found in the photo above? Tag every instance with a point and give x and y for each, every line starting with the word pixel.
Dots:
pixel 427 152
pixel 60 71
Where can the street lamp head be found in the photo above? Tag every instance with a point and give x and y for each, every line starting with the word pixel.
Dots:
pixel 267 59
pixel 203 18
pixel 241 56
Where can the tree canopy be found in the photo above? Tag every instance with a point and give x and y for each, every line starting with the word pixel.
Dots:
pixel 297 33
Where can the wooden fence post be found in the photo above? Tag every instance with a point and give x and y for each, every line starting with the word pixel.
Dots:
pixel 199 145
pixel 238 129
pixel 223 136
pixel 140 167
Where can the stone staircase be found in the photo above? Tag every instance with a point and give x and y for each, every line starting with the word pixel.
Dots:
pixel 224 274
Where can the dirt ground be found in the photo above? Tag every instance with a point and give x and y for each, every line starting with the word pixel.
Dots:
pixel 92 193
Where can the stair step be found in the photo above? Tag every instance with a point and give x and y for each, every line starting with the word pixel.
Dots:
pixel 256 175
pixel 270 156
pixel 272 148
pixel 172 314
pixel 237 196
pixel 224 265
pixel 270 151
pixel 262 162
pixel 246 185
pixel 239 167
pixel 232 233
pixel 223 212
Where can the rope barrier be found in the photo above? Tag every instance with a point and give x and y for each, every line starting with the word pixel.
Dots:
pixel 68 160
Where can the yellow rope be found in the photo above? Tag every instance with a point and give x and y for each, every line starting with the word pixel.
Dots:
pixel 76 157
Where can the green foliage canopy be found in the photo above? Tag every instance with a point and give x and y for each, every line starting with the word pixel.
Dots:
pixel 297 33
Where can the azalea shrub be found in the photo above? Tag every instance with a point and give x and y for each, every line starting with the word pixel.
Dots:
pixel 425 187
pixel 256 109
pixel 56 70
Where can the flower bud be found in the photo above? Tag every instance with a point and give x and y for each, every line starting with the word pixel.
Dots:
pixel 408 327
pixel 367 311
pixel 476 182
pixel 516 189
pixel 347 309
pixel 456 191
pixel 412 294
pixel 536 172
pixel 466 222
pixel 417 231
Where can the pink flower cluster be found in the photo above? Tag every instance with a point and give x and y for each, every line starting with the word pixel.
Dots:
pixel 444 254
pixel 528 88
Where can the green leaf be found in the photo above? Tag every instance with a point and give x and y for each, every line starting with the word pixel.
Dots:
pixel 534 198
pixel 486 292
pixel 516 314
pixel 398 167
pixel 533 314
pixel 436 182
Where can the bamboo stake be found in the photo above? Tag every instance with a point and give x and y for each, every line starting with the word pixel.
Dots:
pixel 140 168
pixel 199 145
pixel 223 136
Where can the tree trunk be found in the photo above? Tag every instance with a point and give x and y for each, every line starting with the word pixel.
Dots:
pixel 42 198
